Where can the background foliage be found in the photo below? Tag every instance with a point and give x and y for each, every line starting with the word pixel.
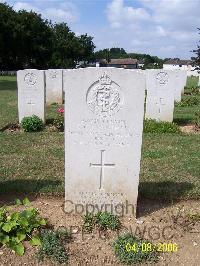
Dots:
pixel 29 41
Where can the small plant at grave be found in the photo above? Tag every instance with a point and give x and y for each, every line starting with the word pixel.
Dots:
pixel 54 104
pixel 18 226
pixel 59 120
pixel 107 220
pixel 152 126
pixel 52 246
pixel 193 217
pixel 32 124
pixel 89 222
pixel 197 119
pixel 131 250
pixel 189 101
pixel 103 220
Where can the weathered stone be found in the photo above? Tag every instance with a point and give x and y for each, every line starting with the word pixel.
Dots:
pixel 31 94
pixel 160 86
pixel 104 109
pixel 54 86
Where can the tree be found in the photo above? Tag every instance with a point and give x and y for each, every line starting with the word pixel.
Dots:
pixel 85 48
pixel 112 53
pixel 197 52
pixel 29 41
pixel 68 49
pixel 7 37
pixel 65 45
pixel 34 40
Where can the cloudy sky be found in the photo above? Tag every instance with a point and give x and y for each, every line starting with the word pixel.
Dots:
pixel 166 28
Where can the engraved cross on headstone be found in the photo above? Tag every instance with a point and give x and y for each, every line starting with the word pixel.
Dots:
pixel 31 103
pixel 102 165
pixel 160 103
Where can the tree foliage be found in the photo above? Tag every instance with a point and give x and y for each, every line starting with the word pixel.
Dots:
pixel 197 52
pixel 116 53
pixel 29 41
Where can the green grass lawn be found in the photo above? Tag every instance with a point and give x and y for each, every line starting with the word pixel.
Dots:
pixel 184 115
pixel 8 100
pixel 34 162
pixel 192 82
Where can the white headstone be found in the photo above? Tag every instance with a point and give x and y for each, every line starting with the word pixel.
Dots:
pixel 54 86
pixel 104 110
pixel 181 79
pixel 160 86
pixel 31 95
pixel 199 82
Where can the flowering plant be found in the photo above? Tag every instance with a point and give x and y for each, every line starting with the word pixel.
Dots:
pixel 59 121
pixel 61 110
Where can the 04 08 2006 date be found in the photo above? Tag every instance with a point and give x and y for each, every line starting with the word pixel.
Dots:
pixel 148 247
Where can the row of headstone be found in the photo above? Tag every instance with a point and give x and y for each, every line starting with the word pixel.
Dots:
pixel 104 112
pixel 164 88
pixel 37 87
pixel 103 133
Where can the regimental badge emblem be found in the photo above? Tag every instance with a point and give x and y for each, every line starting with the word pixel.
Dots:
pixel 104 97
pixel 162 78
pixel 53 74
pixel 30 79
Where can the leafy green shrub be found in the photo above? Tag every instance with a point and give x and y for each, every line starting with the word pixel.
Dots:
pixel 189 101
pixel 197 119
pixel 152 126
pixel 193 217
pixel 54 104
pixel 15 227
pixel 130 250
pixel 89 222
pixel 103 220
pixel 107 220
pixel 52 247
pixel 32 124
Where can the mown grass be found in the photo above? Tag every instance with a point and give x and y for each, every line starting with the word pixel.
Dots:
pixel 8 100
pixel 34 162
pixel 170 166
pixel 186 114
pixel 192 82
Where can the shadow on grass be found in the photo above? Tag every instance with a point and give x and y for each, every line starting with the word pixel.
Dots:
pixel 50 121
pixel 30 186
pixel 8 85
pixel 182 121
pixel 158 195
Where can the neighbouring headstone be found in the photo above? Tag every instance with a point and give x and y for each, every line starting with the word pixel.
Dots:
pixel 31 93
pixel 54 86
pixel 180 83
pixel 160 86
pixel 199 82
pixel 104 110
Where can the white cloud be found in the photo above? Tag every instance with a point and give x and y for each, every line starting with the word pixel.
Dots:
pixel 59 15
pixel 119 15
pixel 166 28
pixel 25 6
pixel 63 12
